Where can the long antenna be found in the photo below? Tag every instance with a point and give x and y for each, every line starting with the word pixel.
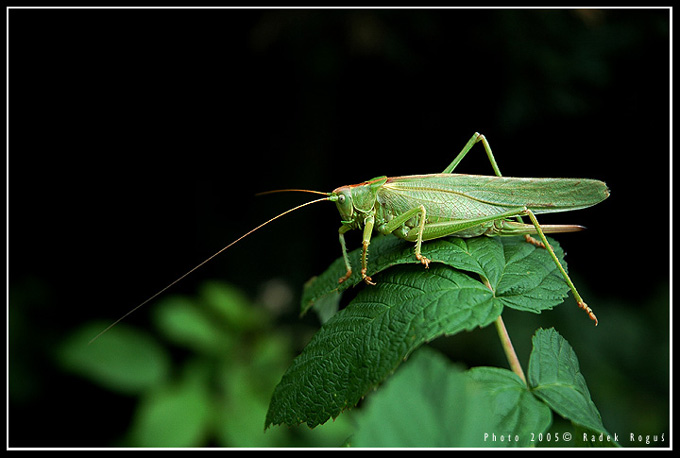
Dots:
pixel 210 258
pixel 292 190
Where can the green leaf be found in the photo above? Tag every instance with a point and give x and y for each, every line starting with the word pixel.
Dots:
pixel 124 359
pixel 363 344
pixel 240 408
pixel 516 411
pixel 524 276
pixel 183 321
pixel 327 306
pixel 554 377
pixel 232 305
pixel 177 414
pixel 212 321
pixel 429 402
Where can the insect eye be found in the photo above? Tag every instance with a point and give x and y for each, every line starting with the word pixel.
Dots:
pixel 341 199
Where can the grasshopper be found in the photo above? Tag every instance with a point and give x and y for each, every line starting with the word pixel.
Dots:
pixel 425 207
pixel 418 208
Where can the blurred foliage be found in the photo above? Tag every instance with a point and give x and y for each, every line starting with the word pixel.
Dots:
pixel 138 135
pixel 214 391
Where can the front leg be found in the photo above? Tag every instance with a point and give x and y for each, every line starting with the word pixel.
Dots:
pixel 368 232
pixel 341 234
pixel 369 222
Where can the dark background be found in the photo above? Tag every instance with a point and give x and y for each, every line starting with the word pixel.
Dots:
pixel 138 138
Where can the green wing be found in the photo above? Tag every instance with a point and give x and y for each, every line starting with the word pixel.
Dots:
pixel 458 196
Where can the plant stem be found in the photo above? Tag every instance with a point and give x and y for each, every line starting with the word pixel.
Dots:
pixel 509 350
pixel 506 342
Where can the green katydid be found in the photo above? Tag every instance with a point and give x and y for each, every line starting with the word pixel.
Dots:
pixel 425 207
pixel 418 208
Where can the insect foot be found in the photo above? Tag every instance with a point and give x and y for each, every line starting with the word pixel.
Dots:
pixel 345 277
pixel 423 260
pixel 588 310
pixel 533 241
pixel 368 280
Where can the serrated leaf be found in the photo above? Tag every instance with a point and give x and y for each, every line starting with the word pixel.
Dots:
pixel 516 411
pixel 429 402
pixel 124 359
pixel 555 377
pixel 362 344
pixel 525 276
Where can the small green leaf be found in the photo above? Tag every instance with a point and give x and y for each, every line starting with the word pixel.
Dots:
pixel 183 321
pixel 555 378
pixel 240 409
pixel 431 403
pixel 516 412
pixel 428 403
pixel 231 304
pixel 124 359
pixel 175 415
